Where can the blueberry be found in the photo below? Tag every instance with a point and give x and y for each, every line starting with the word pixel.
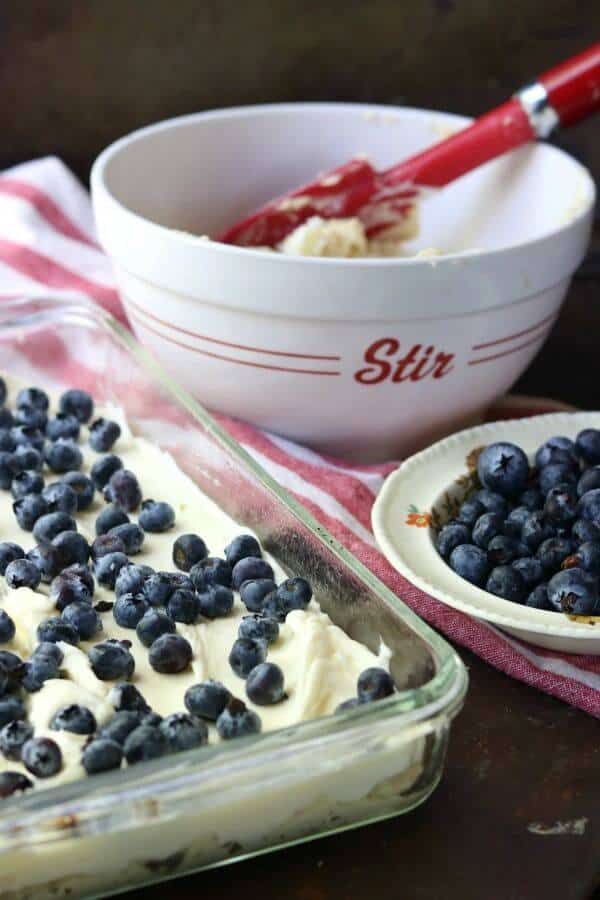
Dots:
pixel 241 547
pixel 12 737
pixel 554 474
pixel 237 720
pixel 215 602
pixel 11 708
pixel 556 449
pixel 63 455
pixel 515 520
pixel 152 625
pixel 586 557
pixel 583 530
pixel 111 517
pixel 589 506
pixel 25 458
pixel 125 696
pixel 48 650
pixel 151 718
pixel 530 569
pixel 107 568
pixel 169 654
pixel 259 628
pixel 249 569
pixel 502 549
pixel 587 443
pixel 492 502
pixel 103 434
pixel 573 591
pixel 553 551
pixel 7 471
pixel 74 718
pixel 144 743
pixel 506 582
pixel 123 489
pixel 73 548
pixel 450 536
pixel 469 512
pixel 106 544
pixel 83 487
pixel 103 470
pixel 538 598
pixel 211 570
pixel 183 732
pixel 31 417
pixel 132 578
pixel 32 396
pixel 29 481
pixel 295 593
pixel 265 684
pixel 7 627
pixel 7 441
pixel 13 783
pixel 56 629
pixel 48 560
pixel 22 573
pixel 49 525
pixel 188 550
pixel 69 588
pixel 29 509
pixel 589 480
pixel 13 667
pixel 470 562
pixel 111 661
pixel 62 426
pixel 503 468
pixel 129 609
pixel 182 606
pixel 561 504
pixel 39 668
pixel 531 499
pixel 101 755
pixel 120 726
pixel 132 536
pixel 31 438
pixel 274 606
pixel 156 516
pixel 8 553
pixel 486 527
pixel 245 655
pixel 6 418
pixel 207 699
pixel 41 757
pixel 84 619
pixel 84 574
pixel 253 593
pixel 535 530
pixel 77 403
pixel 374 684
pixel 158 588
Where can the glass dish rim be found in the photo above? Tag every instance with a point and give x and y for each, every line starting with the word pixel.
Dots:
pixel 442 693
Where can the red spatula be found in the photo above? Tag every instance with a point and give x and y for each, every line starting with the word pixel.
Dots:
pixel 563 95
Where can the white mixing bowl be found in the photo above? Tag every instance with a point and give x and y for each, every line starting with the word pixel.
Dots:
pixel 365 358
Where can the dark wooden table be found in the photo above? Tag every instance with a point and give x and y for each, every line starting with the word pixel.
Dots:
pixel 518 759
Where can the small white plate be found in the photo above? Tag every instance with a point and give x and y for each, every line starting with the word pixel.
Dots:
pixel 427 488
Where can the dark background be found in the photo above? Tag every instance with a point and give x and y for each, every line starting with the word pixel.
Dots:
pixel 76 75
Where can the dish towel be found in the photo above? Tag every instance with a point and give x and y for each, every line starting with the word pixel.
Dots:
pixel 48 246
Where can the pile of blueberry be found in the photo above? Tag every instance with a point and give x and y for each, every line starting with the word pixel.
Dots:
pixel 532 534
pixel 149 602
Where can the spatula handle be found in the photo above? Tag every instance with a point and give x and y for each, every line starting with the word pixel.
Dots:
pixel 561 96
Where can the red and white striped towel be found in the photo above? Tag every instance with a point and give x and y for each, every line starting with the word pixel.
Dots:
pixel 48 244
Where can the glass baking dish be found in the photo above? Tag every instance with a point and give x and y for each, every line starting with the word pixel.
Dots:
pixel 223 803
